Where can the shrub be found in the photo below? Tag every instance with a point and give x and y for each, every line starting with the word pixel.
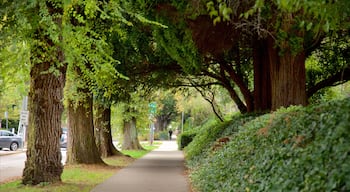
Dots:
pixel 185 138
pixel 207 135
pixel 163 135
pixel 294 149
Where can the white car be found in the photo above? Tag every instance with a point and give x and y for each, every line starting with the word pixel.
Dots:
pixel 63 140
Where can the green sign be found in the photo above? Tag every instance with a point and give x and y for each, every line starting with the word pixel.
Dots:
pixel 152 108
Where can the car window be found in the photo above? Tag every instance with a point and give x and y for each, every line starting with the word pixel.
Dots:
pixel 3 133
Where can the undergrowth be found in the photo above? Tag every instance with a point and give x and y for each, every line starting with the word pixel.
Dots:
pixel 293 149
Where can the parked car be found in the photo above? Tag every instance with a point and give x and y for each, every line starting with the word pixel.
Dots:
pixel 64 136
pixel 10 140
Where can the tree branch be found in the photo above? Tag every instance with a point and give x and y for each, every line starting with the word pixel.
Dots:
pixel 227 85
pixel 338 78
pixel 212 103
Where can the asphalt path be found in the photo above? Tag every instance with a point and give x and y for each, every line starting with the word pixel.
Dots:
pixel 159 171
pixel 12 163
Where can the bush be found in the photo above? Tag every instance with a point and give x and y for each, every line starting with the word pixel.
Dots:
pixel 12 123
pixel 207 135
pixel 185 138
pixel 294 149
pixel 163 135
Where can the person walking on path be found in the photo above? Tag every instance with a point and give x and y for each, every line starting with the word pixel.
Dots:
pixel 170 134
pixel 160 170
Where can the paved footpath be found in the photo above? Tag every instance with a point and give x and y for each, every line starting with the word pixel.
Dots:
pixel 161 170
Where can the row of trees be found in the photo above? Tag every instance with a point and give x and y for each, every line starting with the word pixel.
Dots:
pixel 257 50
pixel 91 54
pixel 73 56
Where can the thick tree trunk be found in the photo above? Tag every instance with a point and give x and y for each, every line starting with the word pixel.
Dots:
pixel 43 163
pixel 130 141
pixel 81 148
pixel 288 77
pixel 262 80
pixel 103 134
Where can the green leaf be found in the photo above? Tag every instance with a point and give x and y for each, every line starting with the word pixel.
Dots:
pixel 309 26
pixel 217 20
pixel 210 5
pixel 213 13
pixel 226 13
pixel 259 4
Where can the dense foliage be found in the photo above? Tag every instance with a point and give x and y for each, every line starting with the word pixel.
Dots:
pixel 293 149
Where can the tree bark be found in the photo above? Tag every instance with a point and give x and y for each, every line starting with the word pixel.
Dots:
pixel 103 133
pixel 262 80
pixel 43 163
pixel 81 147
pixel 130 141
pixel 288 77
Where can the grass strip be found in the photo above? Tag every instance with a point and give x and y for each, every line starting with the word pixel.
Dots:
pixel 82 178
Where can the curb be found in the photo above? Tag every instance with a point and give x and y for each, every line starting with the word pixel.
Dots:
pixel 4 153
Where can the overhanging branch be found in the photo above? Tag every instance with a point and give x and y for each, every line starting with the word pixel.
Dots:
pixel 338 78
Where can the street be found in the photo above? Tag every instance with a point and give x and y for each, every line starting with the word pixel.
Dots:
pixel 12 165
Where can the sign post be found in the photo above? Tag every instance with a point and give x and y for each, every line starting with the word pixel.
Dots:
pixel 23 120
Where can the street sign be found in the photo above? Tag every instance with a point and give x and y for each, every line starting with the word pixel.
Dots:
pixel 152 108
pixel 24 117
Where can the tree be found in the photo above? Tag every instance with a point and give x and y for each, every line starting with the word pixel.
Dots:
pixel 329 64
pixel 82 147
pixel 144 69
pixel 103 132
pixel 40 24
pixel 202 51
pixel 89 55
pixel 286 36
pixel 167 111
pixel 131 109
pixel 227 40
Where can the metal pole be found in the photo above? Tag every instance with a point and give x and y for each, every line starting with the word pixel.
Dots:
pixel 151 138
pixel 182 122
pixel 7 119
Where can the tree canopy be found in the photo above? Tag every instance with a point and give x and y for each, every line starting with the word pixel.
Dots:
pixel 265 53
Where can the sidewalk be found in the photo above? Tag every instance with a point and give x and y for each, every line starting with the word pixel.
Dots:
pixel 159 171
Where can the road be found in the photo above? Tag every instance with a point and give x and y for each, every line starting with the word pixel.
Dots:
pixel 12 165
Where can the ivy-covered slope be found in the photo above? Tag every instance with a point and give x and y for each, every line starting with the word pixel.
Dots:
pixel 294 149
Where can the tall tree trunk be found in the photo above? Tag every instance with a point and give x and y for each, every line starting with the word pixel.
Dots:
pixel 43 163
pixel 262 80
pixel 82 148
pixel 288 77
pixel 103 132
pixel 130 141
